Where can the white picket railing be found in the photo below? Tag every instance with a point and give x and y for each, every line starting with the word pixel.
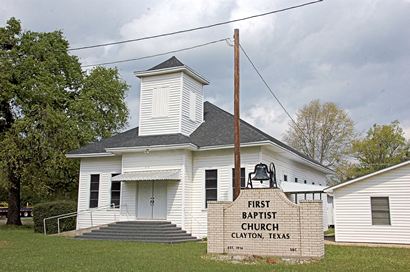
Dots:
pixel 76 214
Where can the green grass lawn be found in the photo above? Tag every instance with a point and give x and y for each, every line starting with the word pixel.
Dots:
pixel 330 232
pixel 23 250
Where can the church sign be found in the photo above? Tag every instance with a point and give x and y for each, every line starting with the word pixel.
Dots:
pixel 265 222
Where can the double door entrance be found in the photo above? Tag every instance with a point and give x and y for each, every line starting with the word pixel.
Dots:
pixel 152 200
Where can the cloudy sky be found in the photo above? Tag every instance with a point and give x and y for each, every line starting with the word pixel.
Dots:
pixel 353 53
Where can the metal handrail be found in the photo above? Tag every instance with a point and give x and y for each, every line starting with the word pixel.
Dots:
pixel 72 214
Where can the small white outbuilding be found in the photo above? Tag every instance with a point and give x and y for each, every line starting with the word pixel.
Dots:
pixel 374 208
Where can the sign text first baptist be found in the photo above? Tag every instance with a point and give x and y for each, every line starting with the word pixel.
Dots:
pixel 255 230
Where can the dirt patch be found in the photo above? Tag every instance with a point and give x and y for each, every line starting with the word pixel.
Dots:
pixel 253 259
pixel 236 259
pixel 4 244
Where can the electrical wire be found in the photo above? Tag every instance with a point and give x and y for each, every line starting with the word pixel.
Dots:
pixel 267 86
pixel 275 96
pixel 195 28
pixel 156 55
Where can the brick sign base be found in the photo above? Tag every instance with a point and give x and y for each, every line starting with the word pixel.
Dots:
pixel 265 222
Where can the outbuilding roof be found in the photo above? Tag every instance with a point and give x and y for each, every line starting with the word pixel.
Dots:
pixel 337 186
pixel 216 130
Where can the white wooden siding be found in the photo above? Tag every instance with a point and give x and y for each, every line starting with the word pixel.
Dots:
pixel 352 210
pixel 222 160
pixel 192 106
pixel 188 190
pixel 180 110
pixel 192 114
pixel 292 169
pixel 128 201
pixel 151 125
pixel 105 167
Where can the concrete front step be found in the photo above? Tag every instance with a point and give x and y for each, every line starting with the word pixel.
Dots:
pixel 108 230
pixel 140 222
pixel 127 227
pixel 114 238
pixel 145 231
pixel 167 234
pixel 144 237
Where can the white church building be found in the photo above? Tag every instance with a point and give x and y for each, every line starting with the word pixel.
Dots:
pixel 180 157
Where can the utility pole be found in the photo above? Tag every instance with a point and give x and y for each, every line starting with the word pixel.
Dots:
pixel 236 125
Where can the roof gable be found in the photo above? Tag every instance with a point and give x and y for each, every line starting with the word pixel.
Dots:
pixel 169 63
pixel 337 186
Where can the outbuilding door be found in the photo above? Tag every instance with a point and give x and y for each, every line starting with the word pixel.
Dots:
pixel 152 200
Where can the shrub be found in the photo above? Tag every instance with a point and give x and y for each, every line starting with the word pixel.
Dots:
pixel 48 209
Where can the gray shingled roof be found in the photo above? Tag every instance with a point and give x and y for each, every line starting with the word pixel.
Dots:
pixel 217 129
pixel 169 63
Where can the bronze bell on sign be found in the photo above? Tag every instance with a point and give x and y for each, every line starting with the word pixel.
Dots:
pixel 261 172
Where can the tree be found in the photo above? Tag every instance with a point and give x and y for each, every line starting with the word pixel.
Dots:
pixel 322 131
pixel 383 146
pixel 49 106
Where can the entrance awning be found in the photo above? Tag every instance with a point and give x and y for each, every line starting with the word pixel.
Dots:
pixel 149 175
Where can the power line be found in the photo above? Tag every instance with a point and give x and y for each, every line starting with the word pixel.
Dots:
pixel 156 55
pixel 195 28
pixel 267 85
pixel 276 98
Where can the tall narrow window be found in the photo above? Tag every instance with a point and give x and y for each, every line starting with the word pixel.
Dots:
pixel 285 178
pixel 380 210
pixel 160 102
pixel 296 179
pixel 94 187
pixel 211 186
pixel 243 179
pixel 115 192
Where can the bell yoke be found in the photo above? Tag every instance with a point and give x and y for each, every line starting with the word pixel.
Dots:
pixel 261 173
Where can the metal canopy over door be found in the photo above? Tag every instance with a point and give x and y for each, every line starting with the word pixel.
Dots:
pixel 152 200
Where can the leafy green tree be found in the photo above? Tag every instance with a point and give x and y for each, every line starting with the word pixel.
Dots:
pixel 383 146
pixel 49 106
pixel 322 131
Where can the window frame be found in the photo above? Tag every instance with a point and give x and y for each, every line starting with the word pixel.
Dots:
pixel 373 210
pixel 209 189
pixel 119 191
pixel 90 205
pixel 243 178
